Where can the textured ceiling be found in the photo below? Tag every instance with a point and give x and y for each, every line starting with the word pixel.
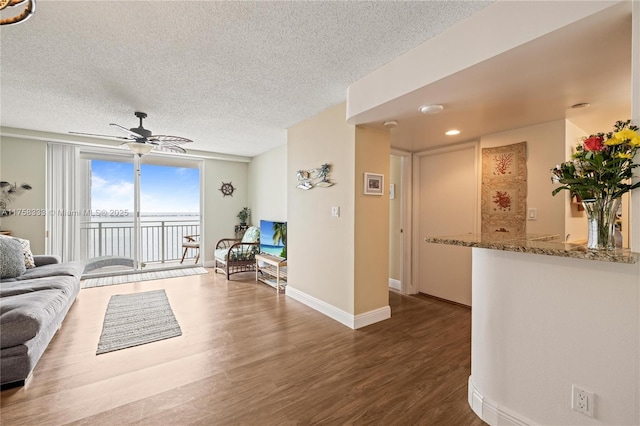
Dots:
pixel 536 82
pixel 232 76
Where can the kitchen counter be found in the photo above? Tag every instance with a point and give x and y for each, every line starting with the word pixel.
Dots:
pixel 546 244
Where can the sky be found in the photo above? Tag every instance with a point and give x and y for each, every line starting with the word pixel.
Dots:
pixel 164 189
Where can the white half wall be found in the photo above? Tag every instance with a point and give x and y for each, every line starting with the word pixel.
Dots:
pixel 541 324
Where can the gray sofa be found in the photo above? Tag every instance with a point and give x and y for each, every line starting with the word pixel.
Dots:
pixel 32 308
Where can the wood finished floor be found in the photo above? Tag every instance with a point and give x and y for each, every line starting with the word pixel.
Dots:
pixel 247 356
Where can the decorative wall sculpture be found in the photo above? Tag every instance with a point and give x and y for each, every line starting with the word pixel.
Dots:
pixel 504 189
pixel 308 179
pixel 227 189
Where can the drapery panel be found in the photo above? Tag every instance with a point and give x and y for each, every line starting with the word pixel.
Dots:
pixel 64 201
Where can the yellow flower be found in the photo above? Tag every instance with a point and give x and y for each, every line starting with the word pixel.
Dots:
pixel 625 134
pixel 613 141
pixel 625 155
pixel 635 142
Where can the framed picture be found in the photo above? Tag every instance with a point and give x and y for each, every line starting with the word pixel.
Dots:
pixel 373 184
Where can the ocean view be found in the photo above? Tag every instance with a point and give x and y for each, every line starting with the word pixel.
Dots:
pixel 269 249
pixel 161 235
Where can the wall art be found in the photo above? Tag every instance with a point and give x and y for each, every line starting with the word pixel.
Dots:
pixel 504 189
pixel 319 177
pixel 373 184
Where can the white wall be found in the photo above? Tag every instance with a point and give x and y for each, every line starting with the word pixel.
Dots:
pixel 545 149
pixel 541 324
pixel 219 211
pixel 24 161
pixel 267 185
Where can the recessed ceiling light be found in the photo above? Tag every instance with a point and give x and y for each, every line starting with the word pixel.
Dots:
pixel 581 105
pixel 452 132
pixel 390 124
pixel 431 109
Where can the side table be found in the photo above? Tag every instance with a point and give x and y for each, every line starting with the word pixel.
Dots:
pixel 272 270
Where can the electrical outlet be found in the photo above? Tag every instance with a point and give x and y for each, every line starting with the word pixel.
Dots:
pixel 582 401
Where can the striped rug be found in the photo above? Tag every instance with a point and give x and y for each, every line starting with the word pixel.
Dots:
pixel 136 319
pixel 141 276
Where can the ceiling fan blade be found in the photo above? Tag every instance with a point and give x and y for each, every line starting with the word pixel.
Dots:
pixel 170 148
pixel 130 133
pixel 167 147
pixel 166 139
pixel 102 136
pixel 157 147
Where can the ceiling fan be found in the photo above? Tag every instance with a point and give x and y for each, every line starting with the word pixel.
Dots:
pixel 141 141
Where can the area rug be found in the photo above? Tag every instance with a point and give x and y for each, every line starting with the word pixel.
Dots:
pixel 136 319
pixel 141 276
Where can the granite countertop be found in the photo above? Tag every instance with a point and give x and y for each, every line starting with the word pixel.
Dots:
pixel 546 244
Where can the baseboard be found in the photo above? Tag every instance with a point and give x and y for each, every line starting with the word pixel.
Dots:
pixel 490 412
pixel 345 318
pixel 372 317
pixel 395 284
pixel 210 264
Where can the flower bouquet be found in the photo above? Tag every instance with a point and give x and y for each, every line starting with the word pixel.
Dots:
pixel 599 172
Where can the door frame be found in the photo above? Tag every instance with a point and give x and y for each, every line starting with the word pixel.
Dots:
pixel 406 206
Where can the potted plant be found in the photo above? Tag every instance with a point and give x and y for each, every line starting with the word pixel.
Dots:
pixel 244 215
pixel 8 193
pixel 600 172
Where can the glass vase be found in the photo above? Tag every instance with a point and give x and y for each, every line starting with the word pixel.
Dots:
pixel 601 219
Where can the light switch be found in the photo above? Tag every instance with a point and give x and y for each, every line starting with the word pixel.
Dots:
pixel 532 214
pixel 335 211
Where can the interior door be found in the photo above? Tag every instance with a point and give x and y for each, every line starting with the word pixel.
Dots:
pixel 447 192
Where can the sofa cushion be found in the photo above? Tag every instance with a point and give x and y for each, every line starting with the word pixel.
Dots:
pixel 13 288
pixel 23 315
pixel 26 251
pixel 72 269
pixel 11 259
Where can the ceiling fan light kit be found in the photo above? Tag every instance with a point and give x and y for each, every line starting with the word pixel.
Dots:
pixel 139 148
pixel 141 141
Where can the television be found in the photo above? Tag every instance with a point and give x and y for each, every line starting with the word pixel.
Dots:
pixel 273 238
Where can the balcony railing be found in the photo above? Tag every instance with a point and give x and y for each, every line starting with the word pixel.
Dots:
pixel 160 241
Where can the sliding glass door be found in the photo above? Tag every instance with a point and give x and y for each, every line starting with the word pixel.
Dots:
pixel 169 212
pixel 108 233
pixel 135 213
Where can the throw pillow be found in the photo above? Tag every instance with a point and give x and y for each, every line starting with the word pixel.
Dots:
pixel 26 251
pixel 252 235
pixel 11 258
